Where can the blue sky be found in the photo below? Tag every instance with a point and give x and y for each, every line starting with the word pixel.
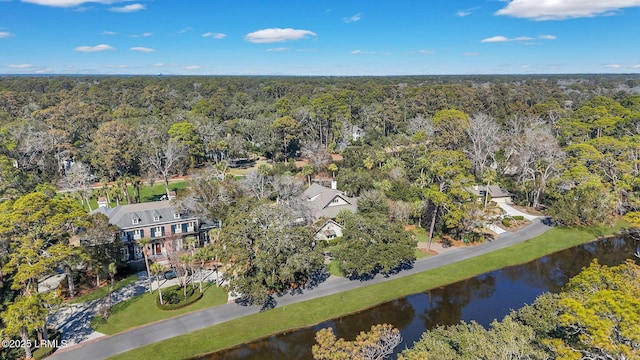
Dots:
pixel 313 37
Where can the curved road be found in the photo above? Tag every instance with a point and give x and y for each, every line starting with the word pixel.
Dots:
pixel 108 346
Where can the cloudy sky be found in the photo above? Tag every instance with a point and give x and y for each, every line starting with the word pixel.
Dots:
pixel 314 37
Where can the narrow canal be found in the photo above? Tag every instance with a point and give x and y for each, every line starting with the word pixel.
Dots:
pixel 482 298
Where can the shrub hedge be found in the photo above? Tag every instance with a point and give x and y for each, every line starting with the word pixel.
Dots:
pixel 174 300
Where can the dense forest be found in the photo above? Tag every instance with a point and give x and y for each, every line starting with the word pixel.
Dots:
pixel 548 139
pixel 408 147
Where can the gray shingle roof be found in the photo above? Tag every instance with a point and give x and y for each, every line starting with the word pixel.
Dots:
pixel 123 215
pixel 495 191
pixel 318 198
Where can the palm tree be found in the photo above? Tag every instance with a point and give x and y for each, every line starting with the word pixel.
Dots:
pixel 202 255
pixel 214 235
pixel 185 261
pixel 144 244
pixel 333 168
pixel 156 270
pixel 113 270
pixel 307 171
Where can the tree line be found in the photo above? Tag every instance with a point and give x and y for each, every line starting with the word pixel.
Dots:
pixel 595 316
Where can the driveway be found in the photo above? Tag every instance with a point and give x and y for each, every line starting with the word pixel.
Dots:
pixel 511 211
pixel 108 346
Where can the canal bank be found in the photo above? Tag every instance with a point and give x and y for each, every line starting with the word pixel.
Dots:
pixel 169 339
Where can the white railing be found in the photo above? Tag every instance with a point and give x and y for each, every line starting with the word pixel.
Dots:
pixel 137 236
pixel 178 230
pixel 190 228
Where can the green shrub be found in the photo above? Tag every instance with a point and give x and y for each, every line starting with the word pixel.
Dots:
pixel 506 222
pixel 173 298
pixel 518 217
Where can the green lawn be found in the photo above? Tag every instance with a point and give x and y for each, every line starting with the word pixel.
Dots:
pixel 334 268
pixel 420 254
pixel 142 310
pixel 315 311
pixel 104 291
pixel 147 193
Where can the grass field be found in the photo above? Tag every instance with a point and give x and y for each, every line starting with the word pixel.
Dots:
pixel 142 310
pixel 147 193
pixel 311 312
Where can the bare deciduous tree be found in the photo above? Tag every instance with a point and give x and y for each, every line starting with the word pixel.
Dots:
pixel 163 158
pixel 484 141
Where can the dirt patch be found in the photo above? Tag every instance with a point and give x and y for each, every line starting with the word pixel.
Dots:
pixel 413 228
pixel 528 210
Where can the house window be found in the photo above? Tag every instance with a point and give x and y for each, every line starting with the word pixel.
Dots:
pixel 176 216
pixel 335 201
pixel 156 218
pixel 135 221
pixel 159 230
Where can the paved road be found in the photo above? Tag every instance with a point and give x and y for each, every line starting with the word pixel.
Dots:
pixel 105 347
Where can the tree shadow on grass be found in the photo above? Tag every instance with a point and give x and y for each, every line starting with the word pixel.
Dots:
pixel 269 304
pixel 405 265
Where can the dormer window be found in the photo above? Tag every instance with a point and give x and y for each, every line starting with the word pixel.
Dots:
pixel 156 218
pixel 176 216
pixel 135 221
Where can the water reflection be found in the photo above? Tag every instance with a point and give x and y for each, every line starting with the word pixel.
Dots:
pixel 483 298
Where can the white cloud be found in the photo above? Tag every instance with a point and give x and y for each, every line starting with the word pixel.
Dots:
pixel 108 33
pixel 354 18
pixel 185 30
pixel 362 52
pixel 128 8
pixel 101 47
pixel 493 39
pixel 68 3
pixel 636 66
pixel 117 66
pixel 192 67
pixel 280 49
pixel 471 54
pixel 145 34
pixel 20 66
pixel 613 66
pixel 5 35
pixel 142 49
pixel 277 35
pixel 158 64
pixel 466 12
pixel 215 35
pixel 501 38
pixel 563 9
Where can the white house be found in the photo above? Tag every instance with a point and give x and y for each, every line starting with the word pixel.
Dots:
pixel 496 193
